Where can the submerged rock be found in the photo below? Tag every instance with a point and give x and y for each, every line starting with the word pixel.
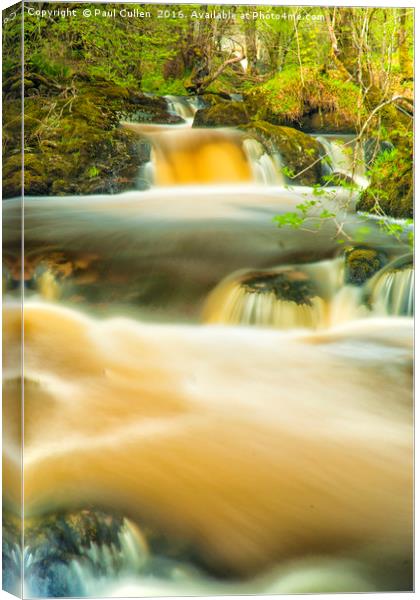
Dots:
pixel 60 546
pixel 290 285
pixel 11 554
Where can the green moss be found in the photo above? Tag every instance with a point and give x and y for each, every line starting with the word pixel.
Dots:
pixel 322 102
pixel 212 99
pixel 391 189
pixel 361 264
pixel 222 114
pixel 298 150
pixel 73 143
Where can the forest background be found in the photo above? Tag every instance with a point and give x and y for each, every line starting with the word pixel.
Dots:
pixel 332 70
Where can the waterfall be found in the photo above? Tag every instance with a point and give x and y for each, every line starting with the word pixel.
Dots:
pixel 347 305
pixel 346 157
pixel 266 168
pixel 290 297
pixel 309 296
pixel 182 155
pixel 183 106
pixel 190 156
pixel 391 291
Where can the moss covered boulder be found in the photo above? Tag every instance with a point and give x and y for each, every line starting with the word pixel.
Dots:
pixel 361 264
pixel 144 108
pixel 222 114
pixel 391 189
pixel 299 152
pixel 311 100
pixel 73 141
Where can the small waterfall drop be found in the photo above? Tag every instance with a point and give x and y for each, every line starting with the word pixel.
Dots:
pixel 291 297
pixel 266 169
pixel 239 305
pixel 183 106
pixel 346 158
pixel 392 289
pixel 191 156
pixel 309 296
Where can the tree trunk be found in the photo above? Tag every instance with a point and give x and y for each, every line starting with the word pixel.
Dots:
pixel 406 65
pixel 251 44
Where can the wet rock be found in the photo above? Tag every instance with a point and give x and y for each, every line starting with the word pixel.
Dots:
pixel 222 114
pixel 290 285
pixel 149 109
pixel 325 122
pixel 361 264
pixel 52 542
pixel 299 151
pixel 11 554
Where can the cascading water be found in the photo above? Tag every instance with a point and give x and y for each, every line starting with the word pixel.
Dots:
pixel 184 106
pixel 392 289
pixel 241 444
pixel 266 168
pixel 177 144
pixel 345 158
pixel 199 156
pixel 120 554
pixel 106 392
pixel 310 296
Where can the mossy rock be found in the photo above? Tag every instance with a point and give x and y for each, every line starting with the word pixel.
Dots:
pixel 393 197
pixel 213 98
pixel 75 146
pixel 298 150
pixel 326 122
pixel 149 109
pixel 289 285
pixel 323 102
pixel 361 264
pixel 222 114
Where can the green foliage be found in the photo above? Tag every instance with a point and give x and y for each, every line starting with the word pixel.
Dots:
pixel 40 63
pixel 391 186
pixel 293 93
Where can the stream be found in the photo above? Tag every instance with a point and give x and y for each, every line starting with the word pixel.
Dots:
pixel 234 398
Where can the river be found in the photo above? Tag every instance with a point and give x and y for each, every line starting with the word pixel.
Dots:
pixel 229 388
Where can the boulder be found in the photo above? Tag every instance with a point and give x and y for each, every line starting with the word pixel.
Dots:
pixel 299 151
pixel 361 264
pixel 222 114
